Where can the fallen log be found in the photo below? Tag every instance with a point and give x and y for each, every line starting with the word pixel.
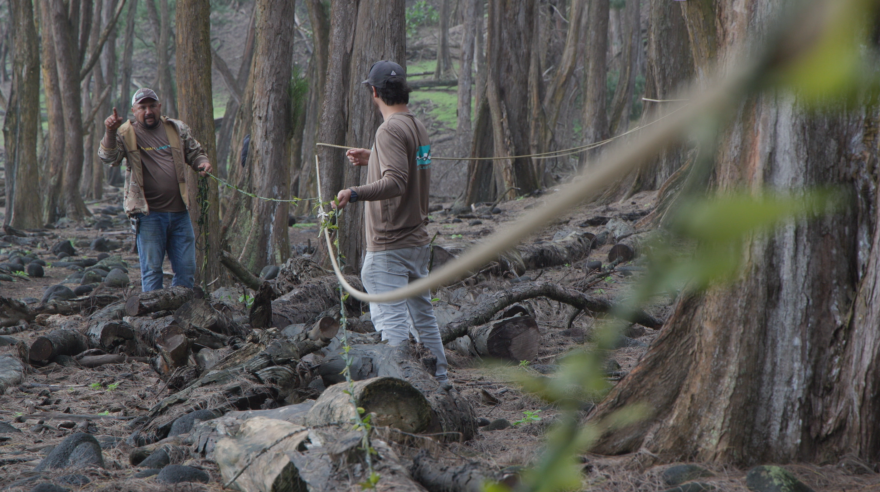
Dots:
pixel 567 250
pixel 516 338
pixel 113 335
pixel 11 372
pixel 453 416
pixel 157 300
pixel 198 314
pixel 12 311
pixel 239 271
pixel 274 455
pixel 100 360
pixel 58 342
pixel 307 302
pixel 484 312
pixel 437 477
pixel 167 339
pixel 394 402
pixel 240 381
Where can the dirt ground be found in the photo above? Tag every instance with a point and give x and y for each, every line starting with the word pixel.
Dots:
pixel 55 401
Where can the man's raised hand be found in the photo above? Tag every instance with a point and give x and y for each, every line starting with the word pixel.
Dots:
pixel 114 121
pixel 358 157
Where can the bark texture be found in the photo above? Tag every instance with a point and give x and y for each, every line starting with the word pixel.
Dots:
pixel 197 110
pixel 782 365
pixel 23 208
pixel 261 226
pixel 595 119
pixel 52 207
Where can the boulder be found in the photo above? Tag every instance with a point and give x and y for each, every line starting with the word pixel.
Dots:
pixel 100 244
pixel 157 459
pixel 35 270
pixel 185 423
pixel 57 292
pixel 78 450
pixel 269 272
pixel 83 290
pixel 91 277
pixel 678 474
pixel 63 247
pixel 774 479
pixel 180 473
pixel 117 278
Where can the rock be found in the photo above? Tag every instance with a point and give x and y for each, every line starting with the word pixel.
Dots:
pixel 103 224
pixel 619 229
pixel 82 290
pixel 545 368
pixel 91 277
pixel 496 210
pixel 497 424
pixel 62 255
pixel 626 342
pixel 596 221
pixel 291 220
pixel 48 487
pixel 774 479
pixel 158 459
pixel 100 244
pixel 57 292
pixel 103 256
pixel 75 479
pixel 100 271
pixel 269 272
pixel 149 472
pixel 181 473
pixel 65 361
pixel 483 422
pixel 78 450
pixel 109 442
pixel 475 222
pixel 678 474
pixel 593 265
pixel 185 423
pixel 7 428
pixel 117 278
pixel 635 331
pixel 63 247
pixel 112 262
pixel 6 278
pixel 35 270
pixel 692 487
pixel 602 239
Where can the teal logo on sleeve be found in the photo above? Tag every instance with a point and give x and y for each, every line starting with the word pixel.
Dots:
pixel 423 157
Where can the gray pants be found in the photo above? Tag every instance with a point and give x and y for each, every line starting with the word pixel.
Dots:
pixel 384 271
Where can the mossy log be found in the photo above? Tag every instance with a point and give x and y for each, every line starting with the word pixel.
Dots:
pixel 58 342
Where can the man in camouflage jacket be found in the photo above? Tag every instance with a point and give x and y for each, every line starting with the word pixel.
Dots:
pixel 158 150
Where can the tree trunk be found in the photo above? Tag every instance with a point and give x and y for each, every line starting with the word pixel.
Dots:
pixel 595 119
pixel 67 55
pixel 444 60
pixel 621 105
pixel 319 17
pixel 112 335
pixel 124 102
pixel 197 110
pixel 89 90
pixel 670 65
pixel 165 89
pixel 781 365
pixel 52 206
pixel 11 372
pixel 472 28
pixel 224 136
pixel 23 208
pixel 511 28
pixel 261 226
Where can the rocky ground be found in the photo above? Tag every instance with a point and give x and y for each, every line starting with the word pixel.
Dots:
pixel 81 428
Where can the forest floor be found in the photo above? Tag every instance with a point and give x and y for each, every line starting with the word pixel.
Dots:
pixel 48 405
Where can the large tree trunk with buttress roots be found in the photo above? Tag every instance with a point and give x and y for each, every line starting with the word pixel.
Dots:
pixel 781 365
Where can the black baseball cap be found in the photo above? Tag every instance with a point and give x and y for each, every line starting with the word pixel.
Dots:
pixel 383 71
pixel 142 94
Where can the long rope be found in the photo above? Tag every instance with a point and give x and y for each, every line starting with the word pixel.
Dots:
pixel 255 196
pixel 591 181
pixel 540 156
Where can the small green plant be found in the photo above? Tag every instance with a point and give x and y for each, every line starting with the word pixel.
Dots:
pixel 105 413
pixel 435 299
pixel 95 386
pixel 600 291
pixel 529 416
pixel 111 387
pixel 567 265
pixel 420 14
pixel 524 363
pixel 609 280
pixel 20 273
pixel 456 236
pixel 247 300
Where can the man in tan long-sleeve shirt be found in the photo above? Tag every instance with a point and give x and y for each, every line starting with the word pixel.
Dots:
pixel 396 202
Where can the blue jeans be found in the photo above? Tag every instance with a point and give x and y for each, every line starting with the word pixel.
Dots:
pixel 161 232
pixel 384 271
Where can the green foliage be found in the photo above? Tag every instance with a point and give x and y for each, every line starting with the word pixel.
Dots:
pixel 20 273
pixel 247 300
pixel 95 386
pixel 524 363
pixel 113 386
pixel 420 14
pixel 529 416
pixel 456 236
pixel 105 413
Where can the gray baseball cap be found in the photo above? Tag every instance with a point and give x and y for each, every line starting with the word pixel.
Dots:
pixel 383 71
pixel 142 94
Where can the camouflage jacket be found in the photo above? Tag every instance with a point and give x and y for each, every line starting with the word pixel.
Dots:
pixel 185 151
